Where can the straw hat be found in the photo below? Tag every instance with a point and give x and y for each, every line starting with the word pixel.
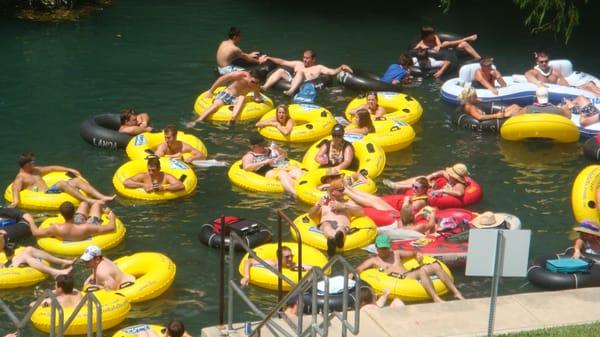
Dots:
pixel 588 227
pixel 488 220
pixel 458 171
pixel 330 175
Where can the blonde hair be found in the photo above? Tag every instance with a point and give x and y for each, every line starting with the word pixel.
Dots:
pixel 468 95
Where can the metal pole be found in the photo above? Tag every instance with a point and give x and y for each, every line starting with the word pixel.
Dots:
pixel 496 279
pixel 222 272
pixel 279 259
pixel 230 288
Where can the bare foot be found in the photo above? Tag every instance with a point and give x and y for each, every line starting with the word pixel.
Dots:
pixel 288 93
pixel 69 263
pixel 459 296
pixel 109 197
pixel 471 38
pixel 63 271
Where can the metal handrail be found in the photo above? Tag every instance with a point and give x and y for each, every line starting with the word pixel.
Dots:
pixel 281 215
pixel 55 308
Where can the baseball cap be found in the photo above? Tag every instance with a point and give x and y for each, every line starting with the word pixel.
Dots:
pixel 338 130
pixel 382 241
pixel 542 95
pixel 90 253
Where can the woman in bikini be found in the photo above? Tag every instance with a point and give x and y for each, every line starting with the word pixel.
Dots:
pixel 282 121
pixel 470 105
pixel 372 106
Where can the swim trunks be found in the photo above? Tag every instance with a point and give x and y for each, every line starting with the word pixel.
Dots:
pixel 226 97
pixel 333 223
pixel 80 218
pixel 587 111
pixel 53 190
pixel 229 69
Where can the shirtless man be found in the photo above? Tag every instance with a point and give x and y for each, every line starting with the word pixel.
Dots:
pixel 229 52
pixel 390 262
pixel 66 295
pixel 334 214
pixel 305 70
pixel 375 110
pixel 79 225
pixel 542 74
pixel 30 177
pixel 154 180
pixel 286 260
pixel 173 148
pixel 242 82
pixel 430 40
pixel 134 123
pixel 105 274
pixel 33 257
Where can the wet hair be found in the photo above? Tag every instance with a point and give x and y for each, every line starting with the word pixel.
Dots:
pixel 154 162
pixel 170 129
pixel 175 328
pixel 65 282
pixel 364 120
pixel 539 54
pixel 405 60
pixel 126 114
pixel 283 248
pixel 255 73
pixel 312 52
pixel 67 210
pixel 422 181
pixel 366 296
pixel 427 31
pixel 233 31
pixel 468 95
pixel 25 158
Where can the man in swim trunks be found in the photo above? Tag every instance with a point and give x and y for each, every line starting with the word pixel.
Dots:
pixel 228 52
pixel 79 225
pixel 66 295
pixel 542 105
pixel 430 40
pixel 542 74
pixel 334 215
pixel 134 123
pixel 30 177
pixel 154 180
pixel 241 83
pixel 286 260
pixel 390 262
pixel 173 148
pixel 105 274
pixel 33 257
pixel 427 63
pixel 303 71
pixel 263 161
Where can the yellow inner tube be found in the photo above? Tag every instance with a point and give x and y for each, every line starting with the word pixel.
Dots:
pixel 154 273
pixel 391 135
pixel 44 201
pixel 140 145
pixel 583 195
pixel 132 331
pixel 540 125
pixel 114 311
pixel 364 233
pixel 17 277
pixel 264 278
pixel 73 248
pixel 255 182
pixel 370 157
pixel 312 123
pixel 406 289
pixel 168 165
pixel 250 111
pixel 397 106
pixel 308 191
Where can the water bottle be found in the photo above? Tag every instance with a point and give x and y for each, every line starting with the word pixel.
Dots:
pixel 274 154
pixel 247 328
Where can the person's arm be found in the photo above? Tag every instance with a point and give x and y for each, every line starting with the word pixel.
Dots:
pixel 442 69
pixel 173 184
pixel 382 300
pixel 332 72
pixel 16 190
pixel 287 128
pixel 249 57
pixel 561 79
pixel 282 62
pixel 402 254
pixel 476 113
pixel 135 182
pixel 59 168
pixel 457 190
pixel 43 232
pixel 248 165
pixel 315 211
pixel 348 157
pixel 246 275
pixel 322 157
pixel 531 77
pixel 266 122
pixel 585 121
pixel 161 150
pixel 577 246
pixel 134 130
pixel 353 129
pixel 194 153
pixel 366 264
pixel 481 79
pixel 498 76
pixel 231 77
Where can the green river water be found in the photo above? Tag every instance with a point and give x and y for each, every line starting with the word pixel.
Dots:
pixel 157 56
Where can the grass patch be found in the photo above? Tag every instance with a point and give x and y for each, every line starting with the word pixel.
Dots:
pixel 587 330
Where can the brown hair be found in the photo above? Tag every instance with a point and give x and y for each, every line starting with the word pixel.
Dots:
pixel 25 158
pixel 363 119
pixel 170 130
pixel 366 296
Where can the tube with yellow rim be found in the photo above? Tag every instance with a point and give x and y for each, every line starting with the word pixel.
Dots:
pixel 540 125
pixel 397 106
pixel 140 146
pixel 255 182
pixel 362 233
pixel 73 248
pixel 43 201
pixel 370 156
pixel 312 123
pixel 264 278
pixel 114 311
pixel 391 135
pixel 307 187
pixel 172 166
pixel 584 194
pixel 17 277
pixel 134 330
pixel 250 111
pixel 406 289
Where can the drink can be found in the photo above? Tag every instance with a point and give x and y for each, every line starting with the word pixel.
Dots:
pixel 247 328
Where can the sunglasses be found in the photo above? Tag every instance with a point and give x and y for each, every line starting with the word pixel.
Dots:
pixel 416 186
pixel 288 257
pixel 340 189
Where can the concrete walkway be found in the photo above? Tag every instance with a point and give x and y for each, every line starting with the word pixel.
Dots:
pixel 520 312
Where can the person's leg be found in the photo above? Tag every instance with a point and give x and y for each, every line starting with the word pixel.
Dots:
pixel 397 303
pixel 31 256
pixel 469 50
pixel 400 185
pixel 327 229
pixel 367 200
pixel 95 212
pixel 287 181
pixel 217 103
pixel 73 191
pixel 426 282
pixel 89 189
pixel 237 107
pixel 275 76
pixel 296 81
pixel 83 209
pixel 512 110
pixel 591 86
pixel 436 268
